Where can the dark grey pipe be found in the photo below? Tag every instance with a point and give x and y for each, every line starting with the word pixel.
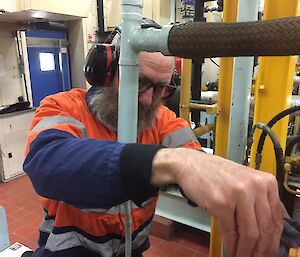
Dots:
pixel 196 40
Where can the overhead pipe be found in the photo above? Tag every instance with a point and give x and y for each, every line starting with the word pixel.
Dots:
pixel 197 40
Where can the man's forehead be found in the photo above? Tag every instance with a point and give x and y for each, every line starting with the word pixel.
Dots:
pixel 156 57
pixel 156 66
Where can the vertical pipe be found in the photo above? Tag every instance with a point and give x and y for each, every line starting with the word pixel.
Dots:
pixel 197 65
pixel 222 125
pixel 20 51
pixel 173 11
pixel 185 91
pixel 4 239
pixel 60 61
pixel 241 90
pixel 100 15
pixel 128 91
pixel 273 87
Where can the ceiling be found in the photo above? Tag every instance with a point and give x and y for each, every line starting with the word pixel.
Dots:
pixel 35 15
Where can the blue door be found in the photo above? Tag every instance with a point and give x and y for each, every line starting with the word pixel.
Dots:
pixel 48 65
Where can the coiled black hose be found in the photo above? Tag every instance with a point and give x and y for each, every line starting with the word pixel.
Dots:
pixel 277 149
pixel 270 124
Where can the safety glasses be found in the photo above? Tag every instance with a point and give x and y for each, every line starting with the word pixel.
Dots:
pixel 159 89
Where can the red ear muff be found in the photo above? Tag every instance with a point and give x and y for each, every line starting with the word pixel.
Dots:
pixel 101 64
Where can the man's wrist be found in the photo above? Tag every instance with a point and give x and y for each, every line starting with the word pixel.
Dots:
pixel 164 170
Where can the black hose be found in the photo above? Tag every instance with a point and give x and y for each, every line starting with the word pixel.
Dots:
pixel 197 40
pixel 277 149
pixel 270 124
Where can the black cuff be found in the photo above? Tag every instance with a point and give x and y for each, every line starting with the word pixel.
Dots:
pixel 135 168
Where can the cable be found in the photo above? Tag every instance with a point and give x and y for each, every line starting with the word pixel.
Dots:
pixel 270 124
pixel 214 62
pixel 128 232
pixel 277 149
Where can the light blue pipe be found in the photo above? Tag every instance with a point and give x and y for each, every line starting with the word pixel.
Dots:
pixel 133 40
pixel 128 91
pixel 241 90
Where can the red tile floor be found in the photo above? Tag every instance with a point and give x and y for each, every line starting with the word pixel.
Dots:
pixel 24 215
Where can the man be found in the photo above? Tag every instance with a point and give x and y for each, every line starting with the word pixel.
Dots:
pixel 84 175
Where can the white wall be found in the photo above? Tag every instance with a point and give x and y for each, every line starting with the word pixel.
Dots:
pixel 80 43
pixel 67 7
pixel 158 10
pixel 9 6
pixel 11 82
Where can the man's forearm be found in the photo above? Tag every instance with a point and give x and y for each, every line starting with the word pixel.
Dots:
pixel 244 201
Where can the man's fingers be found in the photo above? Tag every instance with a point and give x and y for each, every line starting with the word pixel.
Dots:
pixel 277 217
pixel 265 226
pixel 229 232
pixel 247 227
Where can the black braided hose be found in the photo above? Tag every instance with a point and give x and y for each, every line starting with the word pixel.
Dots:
pixel 271 123
pixel 194 40
pixel 277 149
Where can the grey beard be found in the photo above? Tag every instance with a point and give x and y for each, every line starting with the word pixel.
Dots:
pixel 105 108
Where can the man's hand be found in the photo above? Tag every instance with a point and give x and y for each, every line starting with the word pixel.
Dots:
pixel 243 200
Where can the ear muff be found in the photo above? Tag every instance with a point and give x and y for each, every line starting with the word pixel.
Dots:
pixel 101 64
pixel 102 60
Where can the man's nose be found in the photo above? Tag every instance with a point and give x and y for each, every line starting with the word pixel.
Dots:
pixel 145 99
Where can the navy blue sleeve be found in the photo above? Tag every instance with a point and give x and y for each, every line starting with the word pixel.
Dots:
pixel 80 171
pixel 136 168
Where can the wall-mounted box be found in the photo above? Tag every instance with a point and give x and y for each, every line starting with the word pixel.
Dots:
pixel 13 140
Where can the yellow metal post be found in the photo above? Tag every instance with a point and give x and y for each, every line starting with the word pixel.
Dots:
pixel 185 90
pixel 222 125
pixel 273 87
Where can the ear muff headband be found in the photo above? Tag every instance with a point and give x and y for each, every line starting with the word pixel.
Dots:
pixel 108 64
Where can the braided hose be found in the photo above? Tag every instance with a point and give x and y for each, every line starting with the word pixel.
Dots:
pixel 194 40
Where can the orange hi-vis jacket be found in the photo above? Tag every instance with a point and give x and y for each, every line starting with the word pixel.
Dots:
pixel 84 176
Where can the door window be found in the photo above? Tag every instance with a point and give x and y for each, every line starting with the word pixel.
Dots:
pixel 47 62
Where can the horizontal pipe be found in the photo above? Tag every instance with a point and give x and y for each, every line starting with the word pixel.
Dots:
pixel 195 40
pixel 208 108
pixel 200 131
pixel 294 101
